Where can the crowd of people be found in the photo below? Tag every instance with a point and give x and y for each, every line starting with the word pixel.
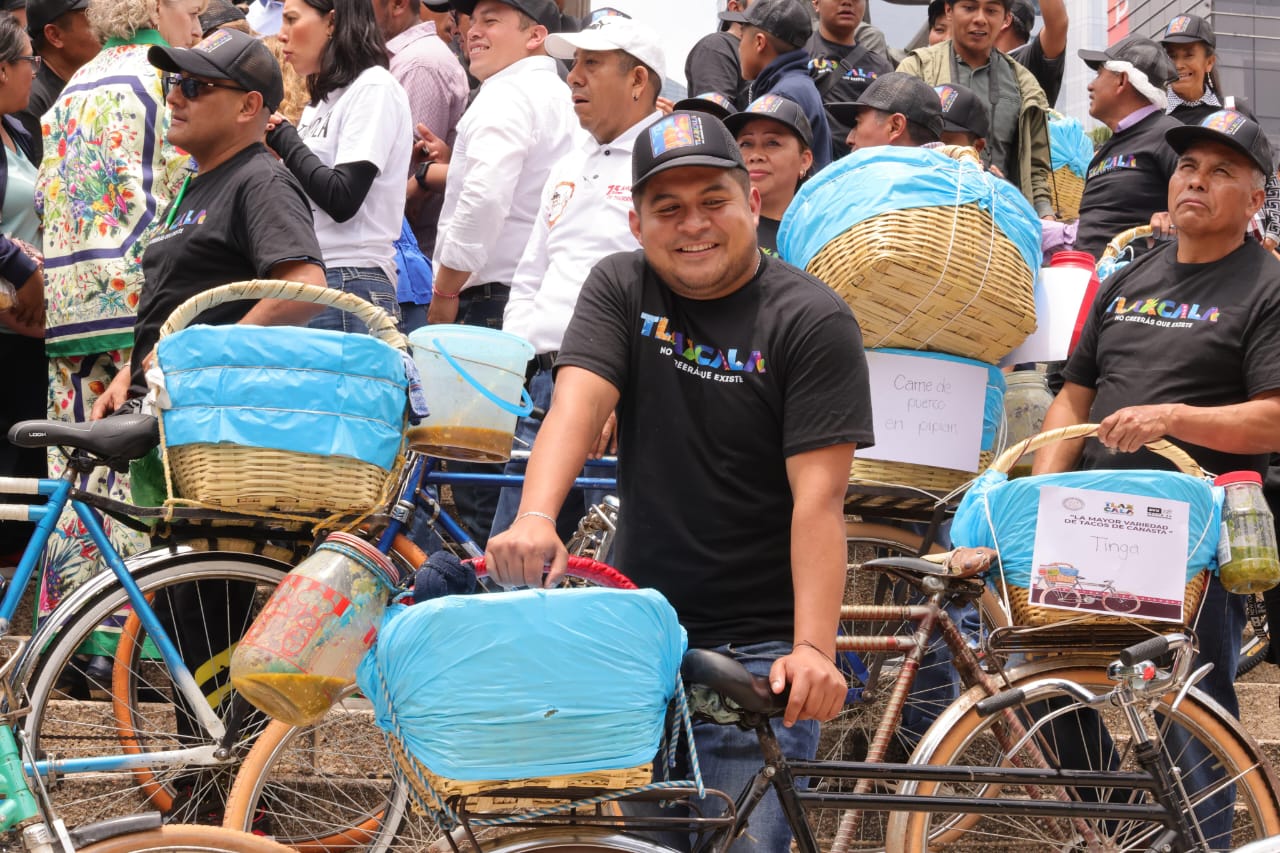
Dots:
pixel 154 149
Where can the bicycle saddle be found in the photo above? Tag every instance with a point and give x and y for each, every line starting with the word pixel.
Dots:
pixel 116 437
pixel 731 680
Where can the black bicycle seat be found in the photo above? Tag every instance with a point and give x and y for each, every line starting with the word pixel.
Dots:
pixel 731 680
pixel 116 437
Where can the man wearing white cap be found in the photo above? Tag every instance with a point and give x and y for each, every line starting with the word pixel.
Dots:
pixel 617 71
pixel 1128 178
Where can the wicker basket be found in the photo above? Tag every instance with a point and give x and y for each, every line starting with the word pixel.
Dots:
pixel 1068 189
pixel 936 278
pixel 265 481
pixel 1021 611
pixel 872 472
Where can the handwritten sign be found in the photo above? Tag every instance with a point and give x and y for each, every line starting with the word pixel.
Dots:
pixel 928 411
pixel 1112 553
pixel 1059 294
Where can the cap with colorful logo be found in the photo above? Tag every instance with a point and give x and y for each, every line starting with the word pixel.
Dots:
pixel 775 108
pixel 1185 29
pixel 712 103
pixel 1226 127
pixel 683 139
pixel 962 110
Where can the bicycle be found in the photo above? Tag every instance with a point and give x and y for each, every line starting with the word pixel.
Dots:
pixel 1078 593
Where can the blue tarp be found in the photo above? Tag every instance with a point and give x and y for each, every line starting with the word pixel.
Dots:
pixel 525 684
pixel 1013 505
pixel 285 388
pixel 1069 145
pixel 993 408
pixel 872 181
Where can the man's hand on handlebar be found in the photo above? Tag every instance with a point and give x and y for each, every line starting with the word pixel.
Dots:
pixel 524 552
pixel 817 688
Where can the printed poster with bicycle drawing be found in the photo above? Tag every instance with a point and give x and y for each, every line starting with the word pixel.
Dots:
pixel 1110 553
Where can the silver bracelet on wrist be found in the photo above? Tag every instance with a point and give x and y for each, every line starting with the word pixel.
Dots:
pixel 535 515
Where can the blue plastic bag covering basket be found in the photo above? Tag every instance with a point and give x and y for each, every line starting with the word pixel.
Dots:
pixel 1068 144
pixel 993 406
pixel 1001 513
pixel 285 388
pixel 527 684
pixel 872 181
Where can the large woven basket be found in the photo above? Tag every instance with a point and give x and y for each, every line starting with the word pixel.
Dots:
pixel 1021 611
pixel 1067 188
pixel 936 278
pixel 263 480
pixel 873 472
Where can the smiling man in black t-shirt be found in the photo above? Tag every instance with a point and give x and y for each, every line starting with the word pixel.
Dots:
pixel 1185 343
pixel 741 389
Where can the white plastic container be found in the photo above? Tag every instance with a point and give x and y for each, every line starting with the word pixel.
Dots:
pixel 473 378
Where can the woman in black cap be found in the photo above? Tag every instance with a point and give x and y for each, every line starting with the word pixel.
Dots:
pixel 776 143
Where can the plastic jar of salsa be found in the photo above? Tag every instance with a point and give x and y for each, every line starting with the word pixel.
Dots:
pixel 1247 557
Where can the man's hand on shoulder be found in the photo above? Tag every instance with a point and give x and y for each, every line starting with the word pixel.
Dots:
pixel 1130 428
pixel 817 688
pixel 520 555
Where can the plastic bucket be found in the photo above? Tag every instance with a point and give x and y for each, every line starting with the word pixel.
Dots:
pixel 474 380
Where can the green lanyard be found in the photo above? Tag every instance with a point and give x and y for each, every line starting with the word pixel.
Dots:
pixel 173 208
pixel 147 36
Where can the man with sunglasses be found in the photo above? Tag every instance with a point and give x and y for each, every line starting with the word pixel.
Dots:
pixel 244 216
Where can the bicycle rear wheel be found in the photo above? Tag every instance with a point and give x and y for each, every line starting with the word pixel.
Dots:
pixel 332 786
pixel 963 738
pixel 212 599
pixel 187 839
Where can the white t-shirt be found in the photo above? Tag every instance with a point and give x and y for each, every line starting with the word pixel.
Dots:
pixel 367 121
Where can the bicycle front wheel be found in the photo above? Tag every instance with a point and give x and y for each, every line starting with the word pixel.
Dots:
pixel 1225 753
pixel 187 839
pixel 129 705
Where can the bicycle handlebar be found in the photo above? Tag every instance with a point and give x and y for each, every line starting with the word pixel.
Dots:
pixel 1152 648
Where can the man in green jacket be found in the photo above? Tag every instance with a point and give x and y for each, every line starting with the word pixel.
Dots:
pixel 1018 144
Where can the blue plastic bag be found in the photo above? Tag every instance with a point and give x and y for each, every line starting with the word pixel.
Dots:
pixel 526 684
pixel 413 269
pixel 1068 144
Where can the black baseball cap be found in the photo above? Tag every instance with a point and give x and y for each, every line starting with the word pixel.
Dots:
pixel 1025 14
pixel 1142 53
pixel 41 12
pixel 1226 127
pixel 217 14
pixel 937 9
pixel 712 103
pixel 227 55
pixel 683 138
pixel 544 12
pixel 438 5
pixel 788 20
pixel 895 92
pixel 962 110
pixel 1188 28
pixel 775 108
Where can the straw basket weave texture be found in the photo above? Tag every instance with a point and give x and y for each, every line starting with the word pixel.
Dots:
pixel 872 472
pixel 266 481
pixel 1021 610
pixel 935 278
pixel 1068 189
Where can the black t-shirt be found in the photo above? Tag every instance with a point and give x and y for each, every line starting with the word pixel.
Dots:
pixel 232 224
pixel 767 235
pixel 1048 72
pixel 1165 332
pixel 1127 181
pixel 713 65
pixel 716 395
pixel 841 72
pixel 44 91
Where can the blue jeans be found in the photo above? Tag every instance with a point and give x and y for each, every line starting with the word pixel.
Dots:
pixel 412 316
pixel 578 500
pixel 369 283
pixel 476 505
pixel 730 758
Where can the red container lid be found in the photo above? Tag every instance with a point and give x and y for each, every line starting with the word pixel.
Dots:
pixel 1238 477
pixel 1083 260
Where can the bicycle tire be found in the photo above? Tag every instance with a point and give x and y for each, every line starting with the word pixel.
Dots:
pixel 847 737
pixel 62 724
pixel 295 782
pixel 965 738
pixel 180 838
pixel 1129 603
pixel 1256 641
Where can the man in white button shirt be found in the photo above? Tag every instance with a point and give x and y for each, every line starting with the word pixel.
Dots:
pixel 519 125
pixel 618 66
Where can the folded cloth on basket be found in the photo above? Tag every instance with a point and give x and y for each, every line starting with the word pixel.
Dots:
pixel 527 684
pixel 284 388
pixel 1001 513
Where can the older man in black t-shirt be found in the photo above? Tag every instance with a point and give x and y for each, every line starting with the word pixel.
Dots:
pixel 243 217
pixel 1185 343
pixel 741 389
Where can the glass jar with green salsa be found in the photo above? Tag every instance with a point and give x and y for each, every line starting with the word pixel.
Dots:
pixel 1247 557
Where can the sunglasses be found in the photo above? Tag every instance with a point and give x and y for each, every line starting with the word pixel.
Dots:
pixel 192 88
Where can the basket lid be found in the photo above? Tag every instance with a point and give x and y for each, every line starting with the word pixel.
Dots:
pixel 1238 477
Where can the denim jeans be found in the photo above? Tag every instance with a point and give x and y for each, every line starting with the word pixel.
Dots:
pixel 412 316
pixel 730 758
pixel 476 505
pixel 369 283
pixel 578 500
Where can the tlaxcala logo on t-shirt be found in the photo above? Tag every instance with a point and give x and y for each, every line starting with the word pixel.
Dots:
pixel 706 361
